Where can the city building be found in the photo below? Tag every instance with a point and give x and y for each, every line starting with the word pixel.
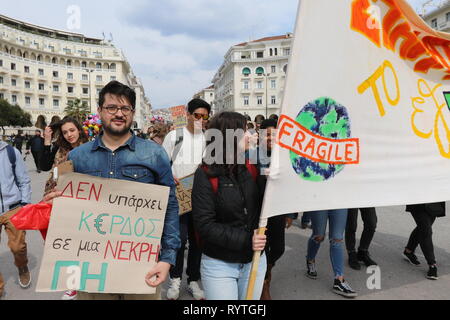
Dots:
pixel 43 69
pixel 439 18
pixel 208 95
pixel 252 77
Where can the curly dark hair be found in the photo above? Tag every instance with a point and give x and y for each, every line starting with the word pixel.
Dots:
pixel 61 141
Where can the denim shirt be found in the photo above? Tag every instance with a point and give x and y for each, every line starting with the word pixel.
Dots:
pixel 137 160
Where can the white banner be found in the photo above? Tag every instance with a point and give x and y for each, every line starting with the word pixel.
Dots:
pixel 365 121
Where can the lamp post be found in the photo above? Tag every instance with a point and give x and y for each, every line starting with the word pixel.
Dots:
pixel 90 87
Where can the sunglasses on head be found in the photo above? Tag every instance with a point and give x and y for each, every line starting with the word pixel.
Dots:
pixel 199 116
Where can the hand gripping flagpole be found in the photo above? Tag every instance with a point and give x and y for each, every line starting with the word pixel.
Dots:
pixel 255 263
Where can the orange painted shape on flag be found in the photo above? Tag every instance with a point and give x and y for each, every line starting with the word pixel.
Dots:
pixel 360 16
pixel 296 138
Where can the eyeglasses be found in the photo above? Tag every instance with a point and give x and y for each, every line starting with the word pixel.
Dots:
pixel 114 109
pixel 199 116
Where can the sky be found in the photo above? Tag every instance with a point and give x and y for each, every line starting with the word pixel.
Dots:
pixel 174 46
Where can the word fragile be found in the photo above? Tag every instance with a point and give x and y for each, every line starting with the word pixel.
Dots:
pixel 305 143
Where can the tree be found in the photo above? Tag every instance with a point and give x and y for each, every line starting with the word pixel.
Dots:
pixel 77 110
pixel 13 115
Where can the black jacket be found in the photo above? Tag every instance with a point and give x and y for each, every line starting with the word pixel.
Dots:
pixel 226 221
pixel 436 209
pixel 36 144
pixel 48 157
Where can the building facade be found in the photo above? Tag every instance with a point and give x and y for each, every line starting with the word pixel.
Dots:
pixel 42 69
pixel 208 95
pixel 439 18
pixel 252 78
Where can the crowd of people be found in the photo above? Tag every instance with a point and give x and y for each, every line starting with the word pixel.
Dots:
pixel 227 197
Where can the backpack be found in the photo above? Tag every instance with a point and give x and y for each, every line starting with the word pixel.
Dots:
pixel 12 159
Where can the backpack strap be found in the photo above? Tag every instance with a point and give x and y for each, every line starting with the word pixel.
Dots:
pixel 12 158
pixel 178 144
pixel 252 169
pixel 213 180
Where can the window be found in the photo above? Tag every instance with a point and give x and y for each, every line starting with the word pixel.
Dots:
pixel 84 77
pixel 70 76
pixel 13 82
pixel 113 78
pixel 260 100
pixel 54 60
pixel 285 69
pixel 246 72
pixel 447 16
pixel 55 103
pixel 55 74
pixel 273 69
pixel 27 69
pixel 98 66
pixel 259 84
pixel 41 102
pixel 271 52
pixel 27 101
pixel 1 63
pixel 27 85
pixel 52 48
pixel 55 88
pixel 276 51
pixel 85 90
pixel 41 72
pixel 67 51
pixel 273 84
pixel 70 89
pixel 246 86
pixel 287 51
pixel 13 66
pixel 246 100
pixel 2 96
pixel 259 71
pixel 41 86
pixel 434 23
pixel 260 54
pixel 273 100
pixel 99 79
pixel 69 63
pixel 14 98
pixel 83 64
pixel 1 80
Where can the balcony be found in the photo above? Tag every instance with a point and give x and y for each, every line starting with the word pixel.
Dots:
pixel 260 90
pixel 15 72
pixel 56 79
pixel 28 75
pixel 71 94
pixel 29 90
pixel 43 92
pixel 57 93
pixel 71 81
pixel 4 70
pixel 15 89
pixel 4 87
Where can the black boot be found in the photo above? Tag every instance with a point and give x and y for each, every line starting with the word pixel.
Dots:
pixel 353 261
pixel 364 257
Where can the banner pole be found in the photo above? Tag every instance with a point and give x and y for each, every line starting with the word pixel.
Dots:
pixel 255 263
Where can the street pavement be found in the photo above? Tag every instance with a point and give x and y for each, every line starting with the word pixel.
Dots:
pixel 399 280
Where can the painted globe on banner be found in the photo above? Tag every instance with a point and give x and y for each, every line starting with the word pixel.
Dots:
pixel 326 118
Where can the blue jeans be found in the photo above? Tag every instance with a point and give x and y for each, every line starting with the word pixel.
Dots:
pixel 228 281
pixel 306 218
pixel 338 221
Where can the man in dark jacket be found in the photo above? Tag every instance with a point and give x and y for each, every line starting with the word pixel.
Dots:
pixel 18 141
pixel 36 145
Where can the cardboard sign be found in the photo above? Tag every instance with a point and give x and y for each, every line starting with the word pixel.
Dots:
pixel 365 114
pixel 184 194
pixel 179 116
pixel 104 235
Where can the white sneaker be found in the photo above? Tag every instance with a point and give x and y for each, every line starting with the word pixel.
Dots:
pixel 194 289
pixel 174 290
pixel 69 295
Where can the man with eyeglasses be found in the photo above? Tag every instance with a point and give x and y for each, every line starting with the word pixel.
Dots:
pixel 185 147
pixel 119 154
